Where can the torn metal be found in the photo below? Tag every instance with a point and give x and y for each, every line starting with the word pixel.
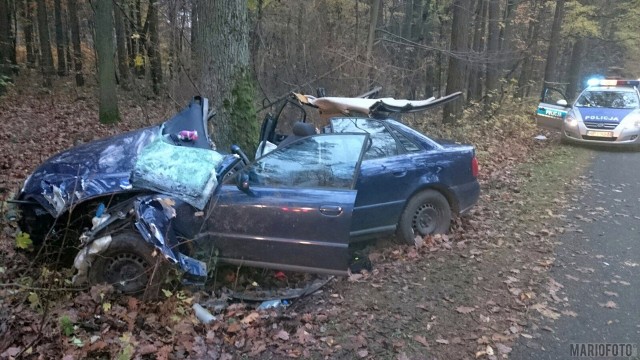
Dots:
pixel 86 256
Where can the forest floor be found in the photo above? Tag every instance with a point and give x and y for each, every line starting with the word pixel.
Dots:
pixel 469 294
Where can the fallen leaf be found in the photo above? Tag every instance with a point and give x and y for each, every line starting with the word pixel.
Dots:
pixel 609 305
pixel 442 341
pixel 363 353
pixel 569 313
pixel 464 309
pixel 421 339
pixel 282 335
pixel 250 318
pixel 611 293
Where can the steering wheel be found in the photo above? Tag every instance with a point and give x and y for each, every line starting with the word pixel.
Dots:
pixel 235 149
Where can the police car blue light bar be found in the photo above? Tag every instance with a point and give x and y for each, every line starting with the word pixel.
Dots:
pixel 612 82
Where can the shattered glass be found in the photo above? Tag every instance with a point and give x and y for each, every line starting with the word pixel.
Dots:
pixel 187 173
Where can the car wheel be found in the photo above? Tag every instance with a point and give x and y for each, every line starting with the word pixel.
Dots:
pixel 128 264
pixel 426 213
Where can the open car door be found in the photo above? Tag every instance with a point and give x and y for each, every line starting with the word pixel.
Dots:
pixel 552 109
pixel 290 209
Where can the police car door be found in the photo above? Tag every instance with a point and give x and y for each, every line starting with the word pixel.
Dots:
pixel 552 109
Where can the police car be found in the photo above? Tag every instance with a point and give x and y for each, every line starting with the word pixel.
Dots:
pixel 606 112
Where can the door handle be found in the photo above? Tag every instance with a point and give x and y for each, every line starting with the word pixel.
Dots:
pixel 331 210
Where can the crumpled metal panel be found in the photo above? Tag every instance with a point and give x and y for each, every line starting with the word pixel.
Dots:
pixel 98 168
pixel 154 217
pixel 186 173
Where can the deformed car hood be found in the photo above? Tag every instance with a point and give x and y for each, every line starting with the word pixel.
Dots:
pixel 97 168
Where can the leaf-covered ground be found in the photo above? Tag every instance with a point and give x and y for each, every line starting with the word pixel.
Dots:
pixel 469 294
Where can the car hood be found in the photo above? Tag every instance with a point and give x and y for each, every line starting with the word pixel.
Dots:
pixel 603 115
pixel 100 167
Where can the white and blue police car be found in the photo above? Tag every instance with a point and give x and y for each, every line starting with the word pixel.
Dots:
pixel 606 112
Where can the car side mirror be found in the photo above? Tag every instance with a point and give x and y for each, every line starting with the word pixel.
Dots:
pixel 242 181
pixel 562 102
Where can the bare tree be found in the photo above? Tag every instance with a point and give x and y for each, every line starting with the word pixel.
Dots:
pixel 554 43
pixel 46 57
pixel 75 41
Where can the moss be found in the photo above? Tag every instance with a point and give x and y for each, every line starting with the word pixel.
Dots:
pixel 109 116
pixel 242 113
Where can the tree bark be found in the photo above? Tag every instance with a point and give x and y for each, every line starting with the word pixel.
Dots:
pixel 5 41
pixel 575 67
pixel 60 45
pixel 222 57
pixel 493 48
pixel 121 46
pixel 373 23
pixel 457 65
pixel 474 91
pixel 552 53
pixel 108 112
pixel 75 41
pixel 154 47
pixel 46 57
pixel 27 28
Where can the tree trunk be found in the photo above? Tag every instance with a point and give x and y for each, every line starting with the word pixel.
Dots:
pixel 154 47
pixel 75 41
pixel 552 53
pixel 474 91
pixel 5 41
pixel 575 67
pixel 27 28
pixel 46 58
pixel 121 46
pixel 105 48
pixel 493 48
pixel 373 23
pixel 457 65
pixel 60 46
pixel 222 57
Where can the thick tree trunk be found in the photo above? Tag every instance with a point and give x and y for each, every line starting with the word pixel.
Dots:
pixel 575 67
pixel 46 57
pixel 105 48
pixel 493 48
pixel 60 45
pixel 222 57
pixel 27 28
pixel 552 53
pixel 154 47
pixel 75 41
pixel 121 46
pixel 526 73
pixel 457 65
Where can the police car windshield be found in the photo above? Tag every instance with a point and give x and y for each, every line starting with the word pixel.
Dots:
pixel 609 99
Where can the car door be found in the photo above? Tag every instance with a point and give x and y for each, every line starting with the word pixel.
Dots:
pixel 552 109
pixel 290 209
pixel 386 176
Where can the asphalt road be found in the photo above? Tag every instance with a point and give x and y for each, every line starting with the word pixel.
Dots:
pixel 598 268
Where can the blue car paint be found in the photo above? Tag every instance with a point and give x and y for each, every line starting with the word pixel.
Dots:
pixel 248 225
pixel 274 224
pixel 386 184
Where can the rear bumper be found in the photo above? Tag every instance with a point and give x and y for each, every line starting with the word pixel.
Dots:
pixel 467 195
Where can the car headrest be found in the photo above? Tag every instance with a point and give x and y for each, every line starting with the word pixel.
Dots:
pixel 303 129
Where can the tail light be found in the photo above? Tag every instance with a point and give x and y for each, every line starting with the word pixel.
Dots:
pixel 474 167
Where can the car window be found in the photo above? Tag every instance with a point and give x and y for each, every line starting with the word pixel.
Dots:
pixel 408 145
pixel 315 161
pixel 382 142
pixel 609 99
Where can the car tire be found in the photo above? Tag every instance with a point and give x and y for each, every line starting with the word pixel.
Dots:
pixel 426 213
pixel 129 265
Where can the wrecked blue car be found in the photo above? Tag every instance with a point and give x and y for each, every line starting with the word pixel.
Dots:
pixel 163 196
